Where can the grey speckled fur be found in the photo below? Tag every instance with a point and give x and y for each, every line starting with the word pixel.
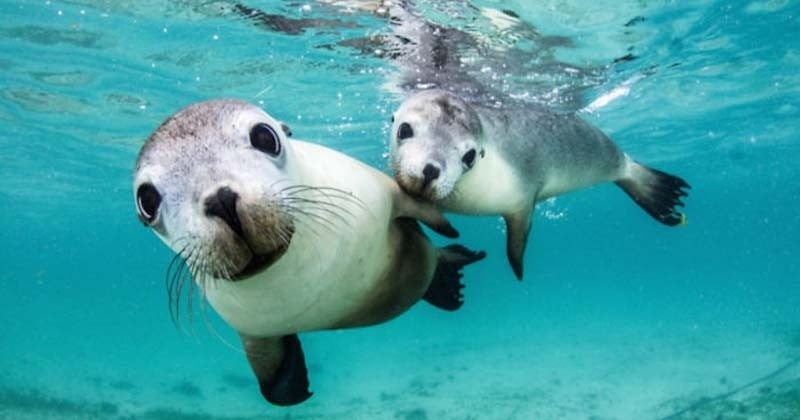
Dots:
pixel 555 143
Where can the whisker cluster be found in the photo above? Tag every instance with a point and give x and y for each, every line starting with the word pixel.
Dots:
pixel 191 270
pixel 320 206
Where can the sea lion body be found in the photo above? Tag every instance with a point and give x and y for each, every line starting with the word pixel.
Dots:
pixel 372 269
pixel 562 153
pixel 484 160
pixel 284 236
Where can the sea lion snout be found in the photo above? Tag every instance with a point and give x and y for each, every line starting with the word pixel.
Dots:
pixel 243 220
pixel 222 204
pixel 424 182
pixel 429 173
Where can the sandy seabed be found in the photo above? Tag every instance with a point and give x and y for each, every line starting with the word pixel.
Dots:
pixel 631 373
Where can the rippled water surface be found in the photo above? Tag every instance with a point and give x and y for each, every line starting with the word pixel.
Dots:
pixel 618 317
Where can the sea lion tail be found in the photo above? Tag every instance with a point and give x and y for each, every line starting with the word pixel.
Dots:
pixel 445 289
pixel 658 193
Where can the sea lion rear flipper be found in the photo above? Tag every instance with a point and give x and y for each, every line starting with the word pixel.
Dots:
pixel 406 206
pixel 518 225
pixel 658 193
pixel 280 368
pixel 445 289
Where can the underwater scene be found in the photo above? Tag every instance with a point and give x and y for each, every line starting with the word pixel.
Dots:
pixel 635 303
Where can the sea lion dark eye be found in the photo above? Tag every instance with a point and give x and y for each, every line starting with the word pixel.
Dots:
pixel 147 201
pixel 404 131
pixel 469 158
pixel 264 138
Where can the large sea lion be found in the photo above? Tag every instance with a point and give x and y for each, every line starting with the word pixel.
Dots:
pixel 284 236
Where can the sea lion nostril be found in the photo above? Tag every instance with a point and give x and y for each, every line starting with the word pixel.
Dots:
pixel 223 205
pixel 429 173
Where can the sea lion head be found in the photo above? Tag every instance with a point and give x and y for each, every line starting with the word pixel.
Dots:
pixel 214 182
pixel 437 137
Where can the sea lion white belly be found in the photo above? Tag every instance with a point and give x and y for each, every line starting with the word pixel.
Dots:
pixel 483 160
pixel 286 236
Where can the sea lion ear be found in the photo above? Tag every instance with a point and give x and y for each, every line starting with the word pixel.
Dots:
pixel 430 215
pixel 286 130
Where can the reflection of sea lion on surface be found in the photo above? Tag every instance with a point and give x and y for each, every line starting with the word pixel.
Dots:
pixel 286 236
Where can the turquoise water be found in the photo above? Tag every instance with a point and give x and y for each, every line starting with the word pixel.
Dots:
pixel 618 317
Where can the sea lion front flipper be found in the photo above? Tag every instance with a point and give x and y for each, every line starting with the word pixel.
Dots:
pixel 280 368
pixel 432 217
pixel 445 289
pixel 518 225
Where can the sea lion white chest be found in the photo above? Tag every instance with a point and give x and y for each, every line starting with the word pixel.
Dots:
pixel 342 257
pixel 481 160
pixel 285 236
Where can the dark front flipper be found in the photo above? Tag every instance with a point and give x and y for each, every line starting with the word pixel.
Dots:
pixel 280 368
pixel 445 289
pixel 658 193
pixel 518 225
